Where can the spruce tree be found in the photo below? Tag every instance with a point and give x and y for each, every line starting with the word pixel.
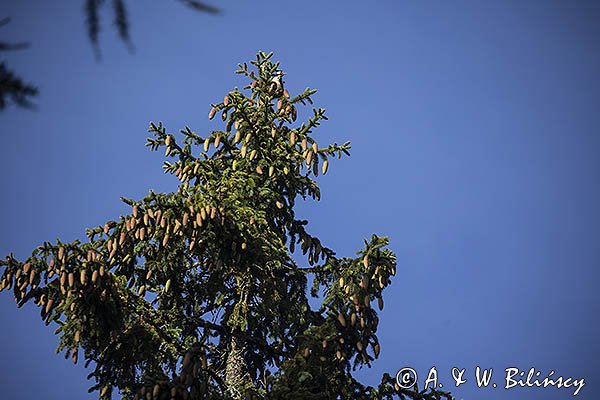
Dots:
pixel 195 294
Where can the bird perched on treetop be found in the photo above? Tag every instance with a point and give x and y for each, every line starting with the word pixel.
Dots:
pixel 276 83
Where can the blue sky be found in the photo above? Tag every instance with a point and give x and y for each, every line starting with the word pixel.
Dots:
pixel 474 128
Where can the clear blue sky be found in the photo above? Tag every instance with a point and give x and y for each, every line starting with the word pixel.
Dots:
pixel 476 148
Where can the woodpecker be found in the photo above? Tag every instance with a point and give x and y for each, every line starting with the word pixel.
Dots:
pixel 276 84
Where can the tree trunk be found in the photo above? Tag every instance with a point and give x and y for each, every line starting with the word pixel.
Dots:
pixel 236 375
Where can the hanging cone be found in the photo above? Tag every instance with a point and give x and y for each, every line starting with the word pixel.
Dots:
pixel 212 113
